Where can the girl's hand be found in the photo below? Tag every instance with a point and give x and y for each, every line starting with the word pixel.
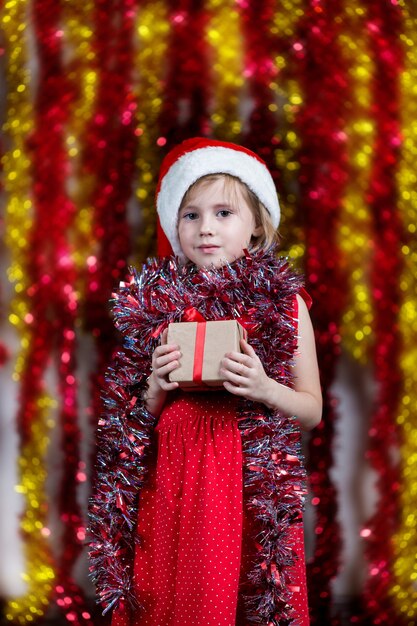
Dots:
pixel 165 359
pixel 245 375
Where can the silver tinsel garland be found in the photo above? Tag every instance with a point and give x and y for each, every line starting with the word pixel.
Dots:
pixel 259 290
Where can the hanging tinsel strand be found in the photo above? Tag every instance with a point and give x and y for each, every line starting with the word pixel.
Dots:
pixel 322 179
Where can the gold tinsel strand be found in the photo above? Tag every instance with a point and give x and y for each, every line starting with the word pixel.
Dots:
pixel 355 233
pixel 224 34
pixel 16 162
pixel 39 574
pixel 290 99
pixel 152 28
pixel 81 72
pixel 405 542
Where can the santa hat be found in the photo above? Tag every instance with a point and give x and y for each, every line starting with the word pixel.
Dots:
pixel 198 157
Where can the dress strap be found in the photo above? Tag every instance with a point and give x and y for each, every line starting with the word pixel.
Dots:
pixel 307 299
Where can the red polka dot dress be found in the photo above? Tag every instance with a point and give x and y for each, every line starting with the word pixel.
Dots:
pixel 190 559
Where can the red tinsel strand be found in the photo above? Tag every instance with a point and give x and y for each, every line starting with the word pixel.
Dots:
pixel 185 109
pixel 110 150
pixel 69 596
pixel 56 274
pixel 4 354
pixel 322 177
pixel 384 28
pixel 48 158
pixel 46 147
pixel 109 154
pixel 260 71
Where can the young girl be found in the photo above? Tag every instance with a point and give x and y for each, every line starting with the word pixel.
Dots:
pixel 196 514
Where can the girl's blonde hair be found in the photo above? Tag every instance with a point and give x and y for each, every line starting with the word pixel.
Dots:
pixel 260 213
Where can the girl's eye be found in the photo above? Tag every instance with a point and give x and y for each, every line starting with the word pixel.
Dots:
pixel 224 213
pixel 190 216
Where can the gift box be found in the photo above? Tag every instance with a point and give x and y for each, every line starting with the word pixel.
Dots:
pixel 203 346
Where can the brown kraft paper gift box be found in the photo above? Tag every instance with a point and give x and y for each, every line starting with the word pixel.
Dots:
pixel 213 340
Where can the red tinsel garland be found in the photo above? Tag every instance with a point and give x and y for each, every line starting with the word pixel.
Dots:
pixel 184 113
pixel 260 72
pixel 322 177
pixel 109 157
pixel 53 277
pixel 384 28
pixel 160 295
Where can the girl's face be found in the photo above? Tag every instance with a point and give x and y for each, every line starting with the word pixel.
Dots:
pixel 212 231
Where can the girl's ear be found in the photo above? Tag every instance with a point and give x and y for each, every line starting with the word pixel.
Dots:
pixel 257 231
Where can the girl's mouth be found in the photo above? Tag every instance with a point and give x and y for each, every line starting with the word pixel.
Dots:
pixel 208 248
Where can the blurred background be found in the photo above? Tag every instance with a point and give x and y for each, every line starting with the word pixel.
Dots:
pixel 93 95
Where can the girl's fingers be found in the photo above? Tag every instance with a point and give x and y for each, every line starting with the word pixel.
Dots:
pixel 240 368
pixel 165 349
pixel 238 362
pixel 238 357
pixel 237 379
pixel 160 361
pixel 237 391
pixel 164 337
pixel 166 386
pixel 162 372
pixel 248 350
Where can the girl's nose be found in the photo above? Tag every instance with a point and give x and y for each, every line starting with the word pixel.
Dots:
pixel 206 226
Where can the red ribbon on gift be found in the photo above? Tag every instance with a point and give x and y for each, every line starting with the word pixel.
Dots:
pixel 200 338
pixel 192 315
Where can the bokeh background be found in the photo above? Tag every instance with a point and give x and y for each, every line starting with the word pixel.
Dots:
pixel 93 94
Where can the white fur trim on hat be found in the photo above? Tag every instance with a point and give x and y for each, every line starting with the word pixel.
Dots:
pixel 212 160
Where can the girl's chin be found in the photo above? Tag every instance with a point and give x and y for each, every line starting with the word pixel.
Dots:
pixel 209 263
pixel 214 262
pixel 210 260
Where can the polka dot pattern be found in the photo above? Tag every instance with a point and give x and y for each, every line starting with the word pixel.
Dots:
pixel 191 545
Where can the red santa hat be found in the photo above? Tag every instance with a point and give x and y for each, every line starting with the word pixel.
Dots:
pixel 198 157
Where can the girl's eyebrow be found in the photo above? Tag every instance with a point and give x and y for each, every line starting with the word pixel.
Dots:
pixel 195 207
pixel 188 207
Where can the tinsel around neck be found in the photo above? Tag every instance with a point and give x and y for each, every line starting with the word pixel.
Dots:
pixel 261 288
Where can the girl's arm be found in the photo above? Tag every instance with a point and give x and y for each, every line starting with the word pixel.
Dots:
pixel 164 360
pixel 245 376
